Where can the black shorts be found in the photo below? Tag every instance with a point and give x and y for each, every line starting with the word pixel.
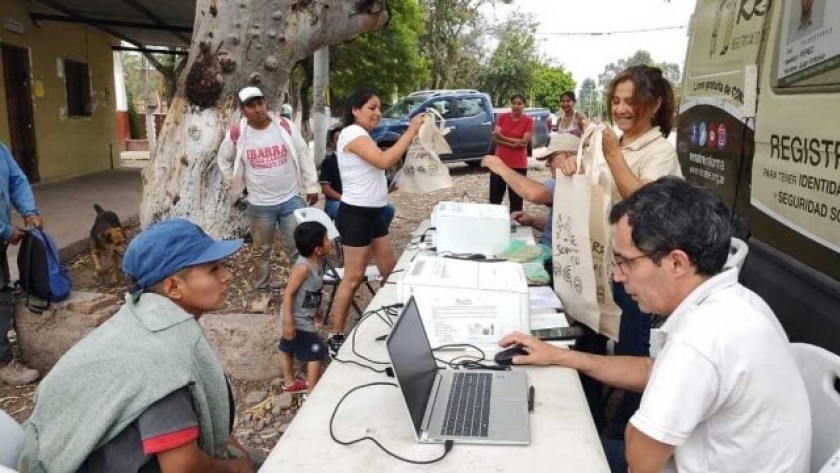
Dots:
pixel 359 226
pixel 307 346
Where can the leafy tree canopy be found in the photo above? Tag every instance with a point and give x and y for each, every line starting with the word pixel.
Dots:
pixel 513 64
pixel 641 57
pixel 549 83
pixel 386 60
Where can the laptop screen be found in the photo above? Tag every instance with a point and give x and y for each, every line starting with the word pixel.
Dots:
pixel 413 362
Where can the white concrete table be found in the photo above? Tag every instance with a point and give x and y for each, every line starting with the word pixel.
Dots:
pixel 563 436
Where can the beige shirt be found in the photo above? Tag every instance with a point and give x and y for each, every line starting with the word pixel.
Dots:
pixel 650 157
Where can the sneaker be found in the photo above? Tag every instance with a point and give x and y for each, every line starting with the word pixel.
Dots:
pixel 16 374
pixel 335 343
pixel 296 387
pixel 261 302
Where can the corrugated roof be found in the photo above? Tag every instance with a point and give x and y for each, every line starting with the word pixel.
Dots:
pixel 142 23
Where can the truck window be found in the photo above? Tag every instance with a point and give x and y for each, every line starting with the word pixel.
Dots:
pixel 442 106
pixel 808 46
pixel 470 106
pixel 403 107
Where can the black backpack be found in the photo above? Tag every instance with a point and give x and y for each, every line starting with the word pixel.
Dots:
pixel 42 275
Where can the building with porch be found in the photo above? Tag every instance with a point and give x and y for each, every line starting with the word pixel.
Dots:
pixel 57 104
pixel 58 97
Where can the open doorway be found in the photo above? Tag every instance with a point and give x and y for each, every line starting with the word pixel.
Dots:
pixel 19 103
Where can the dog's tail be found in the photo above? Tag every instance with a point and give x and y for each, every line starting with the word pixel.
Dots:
pixel 98 208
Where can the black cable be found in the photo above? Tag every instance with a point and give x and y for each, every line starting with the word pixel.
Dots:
pixel 354 362
pixel 447 447
pixel 382 313
pixel 468 361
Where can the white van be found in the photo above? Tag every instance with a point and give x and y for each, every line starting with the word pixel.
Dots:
pixel 759 124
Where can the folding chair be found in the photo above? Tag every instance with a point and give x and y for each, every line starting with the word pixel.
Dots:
pixel 334 273
pixel 820 370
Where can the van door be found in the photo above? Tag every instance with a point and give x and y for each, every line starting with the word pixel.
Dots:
pixel 795 199
pixel 475 126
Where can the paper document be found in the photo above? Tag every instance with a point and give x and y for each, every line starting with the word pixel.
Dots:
pixel 543 299
pixel 476 325
pixel 546 320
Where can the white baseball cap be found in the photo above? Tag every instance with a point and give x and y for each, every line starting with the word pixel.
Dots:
pixel 249 93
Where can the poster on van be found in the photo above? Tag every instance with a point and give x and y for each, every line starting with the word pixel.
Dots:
pixel 810 41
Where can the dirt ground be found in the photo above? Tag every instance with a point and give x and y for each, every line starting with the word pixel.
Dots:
pixel 260 424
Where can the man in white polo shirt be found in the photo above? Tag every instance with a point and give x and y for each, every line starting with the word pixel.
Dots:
pixel 724 394
pixel 267 155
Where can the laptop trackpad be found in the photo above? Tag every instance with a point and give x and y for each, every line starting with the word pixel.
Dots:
pixel 509 412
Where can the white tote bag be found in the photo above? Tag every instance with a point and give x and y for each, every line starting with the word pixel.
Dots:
pixel 423 170
pixel 582 239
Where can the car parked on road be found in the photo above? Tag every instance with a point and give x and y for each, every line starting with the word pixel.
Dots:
pixel 468 113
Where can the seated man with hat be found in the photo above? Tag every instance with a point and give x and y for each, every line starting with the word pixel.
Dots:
pixel 145 391
pixel 561 147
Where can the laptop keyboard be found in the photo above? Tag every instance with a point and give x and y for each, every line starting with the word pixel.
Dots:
pixel 468 408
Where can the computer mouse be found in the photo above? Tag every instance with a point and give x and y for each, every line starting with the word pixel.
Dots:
pixel 505 357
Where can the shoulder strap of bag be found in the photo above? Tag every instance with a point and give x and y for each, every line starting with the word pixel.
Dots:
pixel 285 124
pixel 234 133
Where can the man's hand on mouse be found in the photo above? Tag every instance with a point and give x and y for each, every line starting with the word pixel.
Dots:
pixel 539 352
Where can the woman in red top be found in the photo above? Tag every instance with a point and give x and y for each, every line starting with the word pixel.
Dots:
pixel 512 135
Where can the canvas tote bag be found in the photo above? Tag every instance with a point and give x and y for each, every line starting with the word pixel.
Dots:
pixel 423 170
pixel 582 239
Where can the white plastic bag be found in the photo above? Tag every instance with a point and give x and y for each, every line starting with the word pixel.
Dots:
pixel 582 240
pixel 423 170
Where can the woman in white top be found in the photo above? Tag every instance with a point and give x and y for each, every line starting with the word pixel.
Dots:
pixel 641 102
pixel 571 121
pixel 364 197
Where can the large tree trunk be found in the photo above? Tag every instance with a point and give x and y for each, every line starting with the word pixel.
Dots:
pixel 235 43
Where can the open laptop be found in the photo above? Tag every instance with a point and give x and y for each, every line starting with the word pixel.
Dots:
pixel 466 406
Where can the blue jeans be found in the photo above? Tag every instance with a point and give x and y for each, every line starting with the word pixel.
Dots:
pixel 331 208
pixel 614 451
pixel 264 219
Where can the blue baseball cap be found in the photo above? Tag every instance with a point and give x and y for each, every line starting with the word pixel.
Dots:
pixel 169 246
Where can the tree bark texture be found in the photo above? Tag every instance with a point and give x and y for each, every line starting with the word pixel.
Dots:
pixel 235 43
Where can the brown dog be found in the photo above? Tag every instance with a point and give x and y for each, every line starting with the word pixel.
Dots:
pixel 107 235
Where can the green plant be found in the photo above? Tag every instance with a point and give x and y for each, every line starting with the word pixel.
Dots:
pixel 136 129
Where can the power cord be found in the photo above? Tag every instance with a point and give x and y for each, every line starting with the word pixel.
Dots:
pixel 383 313
pixel 468 361
pixel 447 446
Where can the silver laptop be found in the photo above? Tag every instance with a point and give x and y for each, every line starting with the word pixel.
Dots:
pixel 467 406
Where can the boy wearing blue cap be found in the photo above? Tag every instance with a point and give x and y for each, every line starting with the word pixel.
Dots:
pixel 302 307
pixel 145 391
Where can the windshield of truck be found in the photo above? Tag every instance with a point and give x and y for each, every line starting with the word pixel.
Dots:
pixel 403 106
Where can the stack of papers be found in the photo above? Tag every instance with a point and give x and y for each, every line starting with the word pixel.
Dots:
pixel 546 308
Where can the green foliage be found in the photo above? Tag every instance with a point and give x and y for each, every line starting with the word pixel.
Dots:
pixel 670 70
pixel 591 101
pixel 549 82
pixel 136 128
pixel 453 41
pixel 513 64
pixel 386 60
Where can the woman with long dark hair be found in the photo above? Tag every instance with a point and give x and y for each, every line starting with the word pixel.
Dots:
pixel 364 199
